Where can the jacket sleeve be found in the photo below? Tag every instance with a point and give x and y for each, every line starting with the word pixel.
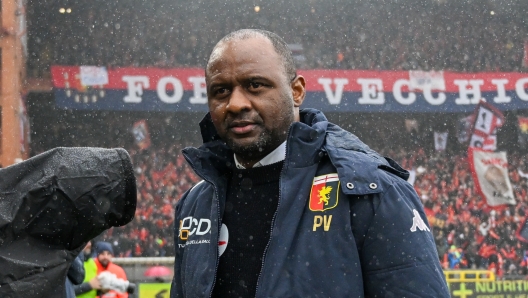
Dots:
pixel 82 288
pixel 76 271
pixel 398 252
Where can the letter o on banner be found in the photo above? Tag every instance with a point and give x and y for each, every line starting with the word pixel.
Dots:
pixel 398 96
pixel 162 90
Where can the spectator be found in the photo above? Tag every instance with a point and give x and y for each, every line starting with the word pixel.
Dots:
pixel 455 257
pixel 88 288
pixel 103 261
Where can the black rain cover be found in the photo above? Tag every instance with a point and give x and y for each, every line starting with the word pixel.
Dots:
pixel 50 206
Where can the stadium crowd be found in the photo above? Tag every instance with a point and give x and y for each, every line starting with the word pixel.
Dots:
pixel 162 177
pixel 386 35
pixel 468 234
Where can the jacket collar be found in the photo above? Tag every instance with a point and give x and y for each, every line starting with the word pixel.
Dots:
pixel 307 139
pixel 214 158
pixel 309 117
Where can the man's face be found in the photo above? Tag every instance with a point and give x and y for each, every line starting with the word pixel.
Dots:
pixel 104 258
pixel 251 100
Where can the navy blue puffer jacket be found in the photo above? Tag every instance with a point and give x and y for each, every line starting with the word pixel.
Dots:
pixel 369 237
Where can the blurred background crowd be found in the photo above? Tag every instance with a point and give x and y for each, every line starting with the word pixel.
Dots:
pixel 465 36
pixel 379 34
pixel 468 235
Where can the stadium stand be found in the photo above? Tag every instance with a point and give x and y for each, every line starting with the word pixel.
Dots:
pixel 390 35
pixel 467 234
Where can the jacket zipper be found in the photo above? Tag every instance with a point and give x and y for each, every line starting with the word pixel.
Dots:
pixel 273 219
pixel 218 237
pixel 219 220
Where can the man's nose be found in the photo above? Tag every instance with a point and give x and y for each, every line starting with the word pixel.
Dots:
pixel 238 101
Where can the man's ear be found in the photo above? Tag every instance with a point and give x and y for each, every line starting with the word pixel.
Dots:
pixel 298 86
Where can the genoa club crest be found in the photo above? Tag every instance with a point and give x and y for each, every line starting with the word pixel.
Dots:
pixel 324 194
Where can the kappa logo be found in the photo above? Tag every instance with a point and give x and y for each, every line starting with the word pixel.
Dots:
pixel 418 222
pixel 190 226
pixel 325 192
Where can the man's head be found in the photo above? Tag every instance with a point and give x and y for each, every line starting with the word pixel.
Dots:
pixel 253 92
pixel 104 252
pixel 280 47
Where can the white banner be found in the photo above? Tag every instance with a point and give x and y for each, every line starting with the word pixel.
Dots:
pixel 93 75
pixel 440 141
pixel 464 128
pixel 426 80
pixel 354 91
pixel 141 134
pixel 490 174
pixel 486 121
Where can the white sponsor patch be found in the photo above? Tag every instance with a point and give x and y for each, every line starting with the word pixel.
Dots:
pixel 223 239
pixel 190 226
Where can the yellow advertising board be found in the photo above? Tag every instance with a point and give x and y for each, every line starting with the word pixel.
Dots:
pixel 154 290
pixel 490 289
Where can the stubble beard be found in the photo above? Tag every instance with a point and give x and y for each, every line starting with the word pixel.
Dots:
pixel 258 149
pixel 267 141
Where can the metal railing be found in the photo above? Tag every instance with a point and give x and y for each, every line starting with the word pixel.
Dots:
pixel 135 267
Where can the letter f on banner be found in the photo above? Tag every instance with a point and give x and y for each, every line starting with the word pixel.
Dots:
pixel 333 98
pixel 135 85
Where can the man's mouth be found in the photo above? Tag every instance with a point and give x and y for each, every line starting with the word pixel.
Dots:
pixel 241 127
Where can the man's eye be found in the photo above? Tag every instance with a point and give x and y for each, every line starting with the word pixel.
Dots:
pixel 220 91
pixel 255 85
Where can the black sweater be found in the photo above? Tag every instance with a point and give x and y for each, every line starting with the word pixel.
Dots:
pixel 251 202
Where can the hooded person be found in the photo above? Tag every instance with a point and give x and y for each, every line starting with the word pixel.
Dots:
pixel 54 203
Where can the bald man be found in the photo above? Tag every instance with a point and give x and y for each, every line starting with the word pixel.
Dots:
pixel 290 204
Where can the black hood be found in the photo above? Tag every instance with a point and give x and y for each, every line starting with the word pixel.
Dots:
pixel 51 205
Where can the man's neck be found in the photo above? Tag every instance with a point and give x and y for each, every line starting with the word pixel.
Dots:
pixel 244 163
pixel 278 154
